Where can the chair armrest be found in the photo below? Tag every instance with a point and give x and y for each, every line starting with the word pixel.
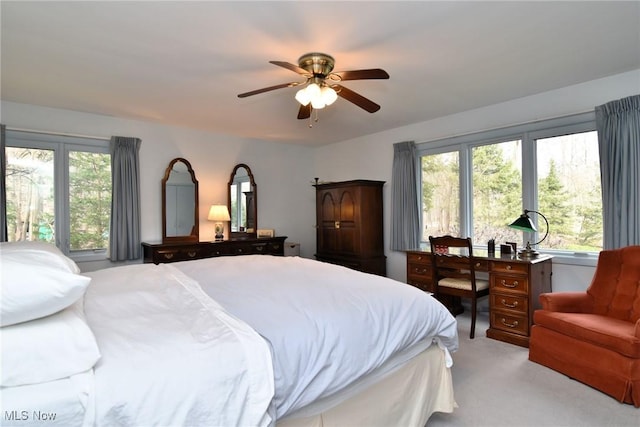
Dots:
pixel 567 302
pixel 637 329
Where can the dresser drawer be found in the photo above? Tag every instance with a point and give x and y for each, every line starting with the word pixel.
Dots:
pixel 275 248
pixel 518 304
pixel 510 267
pixel 506 283
pixel 515 324
pixel 176 254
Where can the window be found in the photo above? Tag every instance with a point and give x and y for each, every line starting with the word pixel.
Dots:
pixel 59 191
pixel 568 173
pixel 475 185
pixel 440 195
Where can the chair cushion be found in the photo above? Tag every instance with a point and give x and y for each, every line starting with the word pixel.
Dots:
pixel 451 282
pixel 608 332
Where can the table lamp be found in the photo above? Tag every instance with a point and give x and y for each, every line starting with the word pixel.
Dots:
pixel 524 223
pixel 219 214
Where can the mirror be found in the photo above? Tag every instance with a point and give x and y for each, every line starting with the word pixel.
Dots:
pixel 242 204
pixel 179 203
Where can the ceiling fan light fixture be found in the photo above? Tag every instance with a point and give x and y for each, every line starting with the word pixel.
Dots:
pixel 321 87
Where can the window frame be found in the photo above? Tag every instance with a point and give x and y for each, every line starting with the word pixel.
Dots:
pixel 61 145
pixel 528 133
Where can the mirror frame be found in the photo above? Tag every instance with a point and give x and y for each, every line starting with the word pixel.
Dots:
pixel 252 182
pixel 195 231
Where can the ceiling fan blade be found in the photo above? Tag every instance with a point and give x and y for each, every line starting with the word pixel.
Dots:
pixel 373 73
pixel 267 89
pixel 305 111
pixel 292 67
pixel 356 98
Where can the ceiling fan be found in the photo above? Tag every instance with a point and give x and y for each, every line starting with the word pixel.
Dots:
pixel 322 85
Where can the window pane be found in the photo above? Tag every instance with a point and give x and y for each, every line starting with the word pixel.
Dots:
pixel 89 200
pixel 440 195
pixel 30 195
pixel 569 192
pixel 497 191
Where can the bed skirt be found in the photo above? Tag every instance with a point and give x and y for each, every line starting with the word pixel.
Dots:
pixel 407 396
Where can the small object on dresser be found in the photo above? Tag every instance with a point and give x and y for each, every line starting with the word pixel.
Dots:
pixel 491 247
pixel 262 233
pixel 505 249
pixel 514 246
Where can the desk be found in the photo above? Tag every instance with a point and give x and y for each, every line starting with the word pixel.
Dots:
pixel 515 285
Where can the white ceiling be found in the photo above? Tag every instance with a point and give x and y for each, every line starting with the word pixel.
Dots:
pixel 183 63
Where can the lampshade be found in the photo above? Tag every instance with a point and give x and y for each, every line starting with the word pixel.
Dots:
pixel 329 95
pixel 219 213
pixel 302 96
pixel 524 223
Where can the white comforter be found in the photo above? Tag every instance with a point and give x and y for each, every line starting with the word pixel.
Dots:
pixel 328 326
pixel 171 355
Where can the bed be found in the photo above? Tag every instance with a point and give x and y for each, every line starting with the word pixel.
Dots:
pixel 252 340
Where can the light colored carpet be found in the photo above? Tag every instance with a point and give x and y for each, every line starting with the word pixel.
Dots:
pixel 496 385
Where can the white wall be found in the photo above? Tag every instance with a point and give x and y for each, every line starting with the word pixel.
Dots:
pixel 283 172
pixel 371 157
pixel 286 200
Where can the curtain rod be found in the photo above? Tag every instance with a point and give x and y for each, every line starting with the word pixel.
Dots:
pixel 71 135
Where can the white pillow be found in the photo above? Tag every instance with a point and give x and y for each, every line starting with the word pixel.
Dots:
pixel 48 349
pixel 40 253
pixel 31 291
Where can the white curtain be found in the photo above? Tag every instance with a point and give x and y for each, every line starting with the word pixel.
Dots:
pixel 124 238
pixel 618 125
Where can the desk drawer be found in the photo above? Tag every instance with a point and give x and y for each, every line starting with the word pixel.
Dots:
pixel 514 324
pixel 509 267
pixel 418 271
pixel 418 258
pixel 511 284
pixel 517 304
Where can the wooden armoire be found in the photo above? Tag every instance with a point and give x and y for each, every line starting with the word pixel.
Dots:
pixel 349 225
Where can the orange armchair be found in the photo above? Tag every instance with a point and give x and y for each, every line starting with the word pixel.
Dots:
pixel 594 336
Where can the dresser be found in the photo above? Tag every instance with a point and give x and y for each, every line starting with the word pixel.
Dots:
pixel 515 286
pixel 171 252
pixel 349 225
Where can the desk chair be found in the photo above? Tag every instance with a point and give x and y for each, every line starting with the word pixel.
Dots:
pixel 454 274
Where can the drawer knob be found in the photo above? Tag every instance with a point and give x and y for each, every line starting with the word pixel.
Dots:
pixel 191 254
pixel 168 256
pixel 514 305
pixel 509 285
pixel 509 267
pixel 509 325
